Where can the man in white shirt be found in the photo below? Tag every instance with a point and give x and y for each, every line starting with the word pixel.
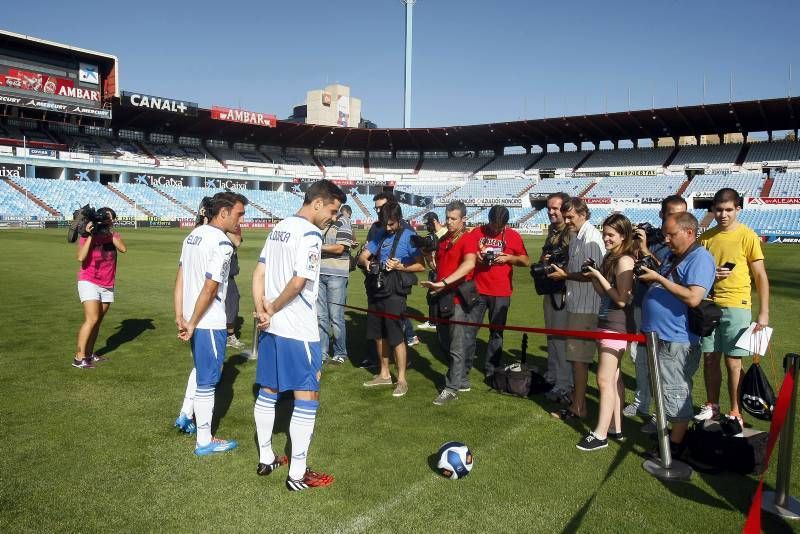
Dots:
pixel 199 299
pixel 582 301
pixel 289 352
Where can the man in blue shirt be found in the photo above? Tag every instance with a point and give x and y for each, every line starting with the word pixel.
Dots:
pixel 387 258
pixel 683 281
pixel 659 251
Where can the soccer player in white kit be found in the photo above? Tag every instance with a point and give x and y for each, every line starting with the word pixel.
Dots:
pixel 199 298
pixel 285 286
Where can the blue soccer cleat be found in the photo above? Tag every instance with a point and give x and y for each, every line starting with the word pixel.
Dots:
pixel 185 424
pixel 216 445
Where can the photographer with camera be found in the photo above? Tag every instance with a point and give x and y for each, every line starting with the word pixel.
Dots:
pixel 456 259
pixel 652 251
pixel 97 251
pixel 390 260
pixel 498 249
pixel 582 302
pixel 613 281
pixel 429 244
pixel 681 283
pixel 555 252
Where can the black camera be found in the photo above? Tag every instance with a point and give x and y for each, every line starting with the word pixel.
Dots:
pixel 647 261
pixel 427 243
pixel 588 263
pixel 652 233
pixel 488 257
pixel 539 271
pixel 376 270
pixel 101 219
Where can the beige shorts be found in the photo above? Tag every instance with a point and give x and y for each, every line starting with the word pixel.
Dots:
pixel 581 350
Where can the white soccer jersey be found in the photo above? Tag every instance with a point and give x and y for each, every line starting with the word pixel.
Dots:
pixel 206 253
pixel 293 248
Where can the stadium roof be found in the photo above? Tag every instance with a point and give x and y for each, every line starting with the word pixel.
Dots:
pixel 751 116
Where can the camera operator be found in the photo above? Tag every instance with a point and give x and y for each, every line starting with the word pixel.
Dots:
pixel 429 245
pixel 582 302
pixel 456 258
pixel 498 249
pixel 559 371
pixel 389 259
pixel 652 249
pixel 682 282
pixel 97 252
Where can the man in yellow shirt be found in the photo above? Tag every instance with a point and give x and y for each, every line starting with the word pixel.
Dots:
pixel 737 251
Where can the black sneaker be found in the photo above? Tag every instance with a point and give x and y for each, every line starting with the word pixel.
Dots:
pixel 616 436
pixel 592 443
pixel 83 363
pixel 731 426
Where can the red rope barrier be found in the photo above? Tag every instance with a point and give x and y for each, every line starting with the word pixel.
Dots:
pixel 753 523
pixel 639 338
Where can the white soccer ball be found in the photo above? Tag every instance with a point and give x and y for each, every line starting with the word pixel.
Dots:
pixel 454 460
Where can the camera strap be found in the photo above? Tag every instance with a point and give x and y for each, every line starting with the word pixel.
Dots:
pixel 563 300
pixel 394 245
pixel 680 258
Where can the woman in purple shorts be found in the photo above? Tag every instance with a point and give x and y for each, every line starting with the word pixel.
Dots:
pixel 614 283
pixel 97 252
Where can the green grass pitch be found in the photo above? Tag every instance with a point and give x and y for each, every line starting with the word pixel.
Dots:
pixel 95 450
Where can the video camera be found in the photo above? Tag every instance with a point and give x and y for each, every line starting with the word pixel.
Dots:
pixel 375 269
pixel 101 219
pixel 557 256
pixel 652 234
pixel 427 243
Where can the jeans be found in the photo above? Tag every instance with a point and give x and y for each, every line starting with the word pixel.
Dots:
pixel 332 293
pixel 462 347
pixel 498 313
pixel 559 370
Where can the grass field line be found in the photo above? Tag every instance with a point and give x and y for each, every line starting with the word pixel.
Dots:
pixel 366 520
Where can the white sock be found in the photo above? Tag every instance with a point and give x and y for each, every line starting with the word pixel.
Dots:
pixel 188 398
pixel 301 428
pixel 264 414
pixel 203 410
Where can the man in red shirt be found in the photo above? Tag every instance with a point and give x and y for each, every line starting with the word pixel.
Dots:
pixel 486 258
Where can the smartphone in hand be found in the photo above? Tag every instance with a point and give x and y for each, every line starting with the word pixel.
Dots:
pixel 729 265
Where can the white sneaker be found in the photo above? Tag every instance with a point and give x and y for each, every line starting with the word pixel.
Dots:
pixel 708 411
pixel 234 342
pixel 427 325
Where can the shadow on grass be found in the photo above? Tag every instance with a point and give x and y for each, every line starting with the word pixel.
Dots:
pixel 127 330
pixel 223 396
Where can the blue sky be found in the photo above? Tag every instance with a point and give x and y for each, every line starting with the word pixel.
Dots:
pixel 474 62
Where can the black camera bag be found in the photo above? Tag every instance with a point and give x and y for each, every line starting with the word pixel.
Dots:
pixel 711 450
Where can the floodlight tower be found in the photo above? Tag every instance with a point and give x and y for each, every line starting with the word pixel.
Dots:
pixel 407 90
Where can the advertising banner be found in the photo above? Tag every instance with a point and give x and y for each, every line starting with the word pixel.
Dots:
pixel 389 183
pixel 774 201
pixel 343 107
pixel 221 183
pixel 172 105
pixel 778 239
pixel 633 173
pixel 326 99
pixel 503 201
pixel 603 200
pixel 159 179
pixel 49 105
pixel 8 170
pixel 42 152
pixel 88 73
pixel 245 117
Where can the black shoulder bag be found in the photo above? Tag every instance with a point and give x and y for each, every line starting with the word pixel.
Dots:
pixel 705 317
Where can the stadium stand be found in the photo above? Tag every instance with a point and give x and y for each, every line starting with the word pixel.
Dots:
pixel 280 204
pixel 767 220
pixel 190 197
pixel 561 160
pixel 570 186
pixel 713 155
pixel 153 201
pixel 427 189
pixel 491 189
pixel 631 187
pixel 343 168
pixel 65 196
pixel 392 167
pixel 512 165
pixel 14 205
pixel 776 151
pixel 746 183
pixel 627 157
pixel 786 184
pixel 444 168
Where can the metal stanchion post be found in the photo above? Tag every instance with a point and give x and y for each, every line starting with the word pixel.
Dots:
pixel 779 502
pixel 666 468
pixel 254 352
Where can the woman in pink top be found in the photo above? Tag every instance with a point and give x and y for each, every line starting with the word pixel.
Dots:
pixel 97 252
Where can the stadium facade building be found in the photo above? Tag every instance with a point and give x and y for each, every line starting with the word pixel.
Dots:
pixel 70 135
